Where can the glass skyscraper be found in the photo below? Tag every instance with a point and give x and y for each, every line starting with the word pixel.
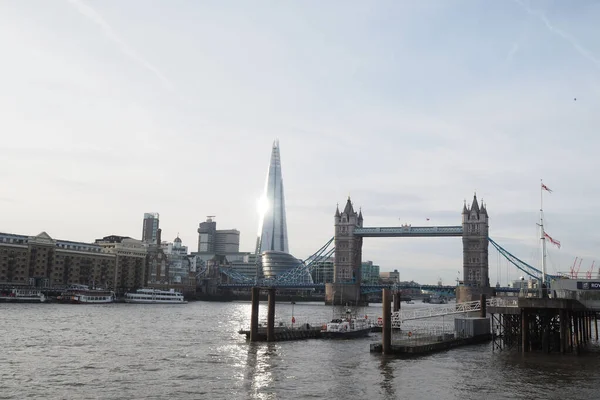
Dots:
pixel 272 243
pixel 273 227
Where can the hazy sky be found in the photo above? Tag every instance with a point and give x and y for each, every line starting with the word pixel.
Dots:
pixel 109 109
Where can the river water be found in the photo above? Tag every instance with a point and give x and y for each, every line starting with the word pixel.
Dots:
pixel 193 351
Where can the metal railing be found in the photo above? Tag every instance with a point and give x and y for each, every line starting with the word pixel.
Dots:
pixel 459 308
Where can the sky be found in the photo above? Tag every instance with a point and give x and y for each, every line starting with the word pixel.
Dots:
pixel 109 109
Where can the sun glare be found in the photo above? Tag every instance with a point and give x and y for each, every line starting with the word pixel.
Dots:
pixel 262 206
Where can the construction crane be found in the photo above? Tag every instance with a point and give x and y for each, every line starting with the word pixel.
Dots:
pixel 572 270
pixel 588 274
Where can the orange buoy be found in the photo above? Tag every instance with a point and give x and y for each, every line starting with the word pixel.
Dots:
pixel 366 317
pixel 409 334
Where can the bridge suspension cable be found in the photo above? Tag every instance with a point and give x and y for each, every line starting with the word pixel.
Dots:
pixel 295 274
pixel 520 264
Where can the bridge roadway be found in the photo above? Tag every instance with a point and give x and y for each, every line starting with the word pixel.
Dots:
pixel 364 288
pixel 410 231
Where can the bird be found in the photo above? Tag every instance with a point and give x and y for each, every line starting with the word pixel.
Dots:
pixel 575 99
pixel 427 219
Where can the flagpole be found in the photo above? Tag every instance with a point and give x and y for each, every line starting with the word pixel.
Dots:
pixel 543 238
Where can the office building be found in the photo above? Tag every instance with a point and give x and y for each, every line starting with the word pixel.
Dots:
pixel 213 241
pixel 150 228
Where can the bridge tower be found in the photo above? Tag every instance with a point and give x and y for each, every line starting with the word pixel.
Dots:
pixel 476 281
pixel 347 262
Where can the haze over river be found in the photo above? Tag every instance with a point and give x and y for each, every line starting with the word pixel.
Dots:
pixel 193 351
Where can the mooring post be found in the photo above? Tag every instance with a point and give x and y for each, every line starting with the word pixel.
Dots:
pixel 396 300
pixel 254 314
pixel 386 335
pixel 482 306
pixel 596 325
pixel 271 316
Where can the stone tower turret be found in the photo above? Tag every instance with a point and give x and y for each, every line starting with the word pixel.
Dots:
pixel 348 248
pixel 475 223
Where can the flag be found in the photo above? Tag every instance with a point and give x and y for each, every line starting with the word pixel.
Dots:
pixel 546 188
pixel 554 242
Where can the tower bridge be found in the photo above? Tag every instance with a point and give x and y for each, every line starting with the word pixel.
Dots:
pixel 348 241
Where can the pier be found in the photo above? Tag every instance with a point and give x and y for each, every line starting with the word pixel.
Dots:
pixel 270 332
pixel 468 330
pixel 543 324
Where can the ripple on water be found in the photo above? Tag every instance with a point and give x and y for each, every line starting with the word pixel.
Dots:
pixel 193 351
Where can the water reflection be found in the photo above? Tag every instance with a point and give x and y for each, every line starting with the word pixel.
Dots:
pixel 387 373
pixel 260 367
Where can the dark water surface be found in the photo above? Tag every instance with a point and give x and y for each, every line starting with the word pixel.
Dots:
pixel 193 351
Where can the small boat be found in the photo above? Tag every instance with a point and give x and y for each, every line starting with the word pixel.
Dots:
pixel 82 294
pixel 22 296
pixel 349 327
pixel 155 296
pixel 438 300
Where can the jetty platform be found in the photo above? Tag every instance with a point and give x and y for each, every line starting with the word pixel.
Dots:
pixel 430 345
pixel 284 333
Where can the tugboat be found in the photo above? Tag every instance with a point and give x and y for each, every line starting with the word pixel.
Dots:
pixel 349 327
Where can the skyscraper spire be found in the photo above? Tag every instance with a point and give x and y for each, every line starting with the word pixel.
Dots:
pixel 273 231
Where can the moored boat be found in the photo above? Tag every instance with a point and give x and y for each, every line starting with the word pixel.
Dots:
pixel 349 327
pixel 155 296
pixel 19 295
pixel 82 294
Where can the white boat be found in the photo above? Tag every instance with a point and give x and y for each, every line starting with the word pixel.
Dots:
pixel 438 300
pixel 155 296
pixel 22 296
pixel 348 327
pixel 82 294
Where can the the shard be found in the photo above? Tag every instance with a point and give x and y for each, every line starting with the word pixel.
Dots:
pixel 273 226
pixel 272 246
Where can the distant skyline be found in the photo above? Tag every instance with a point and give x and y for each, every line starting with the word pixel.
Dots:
pixel 112 109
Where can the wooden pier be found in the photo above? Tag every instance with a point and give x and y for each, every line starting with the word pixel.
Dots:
pixel 285 333
pixel 543 324
pixel 435 344
pixel 270 332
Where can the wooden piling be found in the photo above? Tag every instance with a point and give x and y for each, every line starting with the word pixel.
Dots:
pixel 386 335
pixel 482 306
pixel 562 330
pixel 524 331
pixel 396 301
pixel 254 315
pixel 576 332
pixel 271 316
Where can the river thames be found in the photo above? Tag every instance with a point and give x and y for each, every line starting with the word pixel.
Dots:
pixel 193 351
